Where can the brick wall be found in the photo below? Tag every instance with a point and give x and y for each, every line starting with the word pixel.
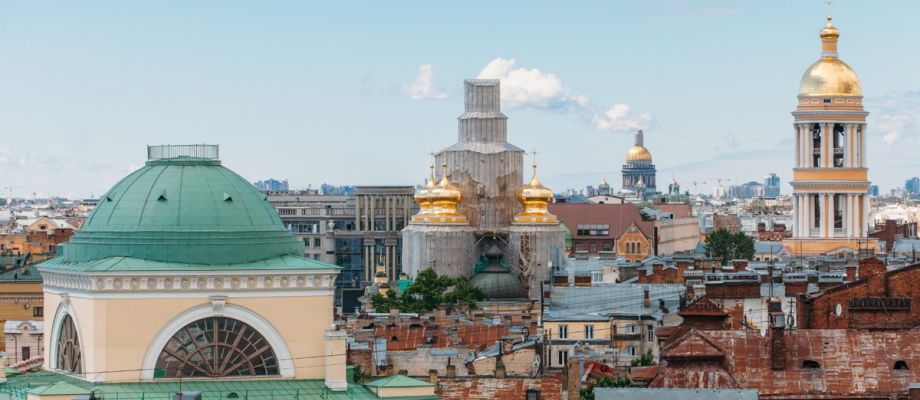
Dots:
pixel 820 312
pixel 733 290
pixel 476 388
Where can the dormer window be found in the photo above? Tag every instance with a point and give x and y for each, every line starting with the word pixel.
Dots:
pixel 901 365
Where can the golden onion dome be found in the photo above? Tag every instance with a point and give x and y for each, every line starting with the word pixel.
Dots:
pixel 535 199
pixel 534 191
pixel 638 153
pixel 445 196
pixel 829 76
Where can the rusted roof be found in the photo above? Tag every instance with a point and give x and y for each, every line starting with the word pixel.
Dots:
pixel 852 363
pixel 618 216
pixel 679 210
pixel 703 307
pixel 407 338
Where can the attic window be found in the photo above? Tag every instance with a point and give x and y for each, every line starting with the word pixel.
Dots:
pixel 901 364
pixel 810 364
pixel 107 198
pixel 394 339
pixel 228 197
pixel 162 196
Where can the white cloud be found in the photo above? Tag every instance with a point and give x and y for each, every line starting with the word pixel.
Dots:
pixel 529 87
pixel 895 116
pixel 620 118
pixel 536 89
pixel 11 158
pixel 422 87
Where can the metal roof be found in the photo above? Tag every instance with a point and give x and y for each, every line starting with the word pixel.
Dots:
pixel 182 210
pixel 600 302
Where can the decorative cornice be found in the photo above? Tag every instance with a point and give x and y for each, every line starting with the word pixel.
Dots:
pixel 174 282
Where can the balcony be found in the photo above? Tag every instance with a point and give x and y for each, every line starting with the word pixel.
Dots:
pixel 814 232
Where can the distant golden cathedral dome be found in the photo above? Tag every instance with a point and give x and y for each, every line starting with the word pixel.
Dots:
pixel 535 199
pixel 638 153
pixel 830 76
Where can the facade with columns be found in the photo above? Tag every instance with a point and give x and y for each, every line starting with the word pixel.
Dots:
pixel 830 179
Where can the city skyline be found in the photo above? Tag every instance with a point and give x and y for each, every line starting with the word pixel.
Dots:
pixel 277 89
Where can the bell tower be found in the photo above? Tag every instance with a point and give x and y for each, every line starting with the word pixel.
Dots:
pixel 830 177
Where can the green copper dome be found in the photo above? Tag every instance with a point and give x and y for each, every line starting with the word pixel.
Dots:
pixel 183 209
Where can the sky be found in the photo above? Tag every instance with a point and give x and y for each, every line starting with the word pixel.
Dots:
pixel 359 93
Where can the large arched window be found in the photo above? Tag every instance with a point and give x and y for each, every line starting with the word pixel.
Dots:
pixel 69 354
pixel 216 347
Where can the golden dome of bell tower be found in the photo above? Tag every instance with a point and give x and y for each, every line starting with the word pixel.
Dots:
pixel 829 76
pixel 830 178
pixel 422 196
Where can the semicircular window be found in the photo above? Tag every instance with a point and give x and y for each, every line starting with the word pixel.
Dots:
pixel 69 354
pixel 216 347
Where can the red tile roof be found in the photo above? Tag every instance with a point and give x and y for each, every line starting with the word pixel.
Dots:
pixel 618 216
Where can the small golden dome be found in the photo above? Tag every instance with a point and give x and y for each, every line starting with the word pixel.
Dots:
pixel 445 196
pixel 638 153
pixel 829 76
pixel 535 199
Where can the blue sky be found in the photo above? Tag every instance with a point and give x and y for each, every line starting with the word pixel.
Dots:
pixel 360 92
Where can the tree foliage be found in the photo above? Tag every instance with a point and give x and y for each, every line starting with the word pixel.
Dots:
pixel 644 360
pixel 729 246
pixel 429 291
pixel 587 393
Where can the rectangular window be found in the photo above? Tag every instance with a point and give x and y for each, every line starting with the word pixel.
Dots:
pixel 38 311
pixel 630 350
pixel 317 242
pixel 563 357
pixel 597 276
pixel 563 331
pixel 650 335
pixel 589 331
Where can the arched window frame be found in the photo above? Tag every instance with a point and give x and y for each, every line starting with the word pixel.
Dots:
pixel 249 317
pixel 63 311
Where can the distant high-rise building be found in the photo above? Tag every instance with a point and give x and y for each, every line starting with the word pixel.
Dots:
pixel 912 186
pixel 771 185
pixel 873 190
pixel 271 185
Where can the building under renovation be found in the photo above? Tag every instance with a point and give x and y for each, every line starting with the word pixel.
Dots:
pixel 477 219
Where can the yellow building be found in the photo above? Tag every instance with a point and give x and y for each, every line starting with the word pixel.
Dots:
pixel 20 297
pixel 185 273
pixel 830 179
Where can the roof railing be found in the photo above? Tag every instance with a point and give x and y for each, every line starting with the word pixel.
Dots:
pixel 170 151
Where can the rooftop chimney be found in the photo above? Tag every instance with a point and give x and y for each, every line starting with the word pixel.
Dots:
pixel 777 335
pixel 646 302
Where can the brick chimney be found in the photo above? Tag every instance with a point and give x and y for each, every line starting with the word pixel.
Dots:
pixel 777 335
pixel 646 302
pixel 433 376
pixel 874 270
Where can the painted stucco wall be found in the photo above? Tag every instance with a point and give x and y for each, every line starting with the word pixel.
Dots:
pixel 115 333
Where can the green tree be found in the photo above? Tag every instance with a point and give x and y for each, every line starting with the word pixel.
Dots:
pixel 644 360
pixel 587 393
pixel 729 246
pixel 429 291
